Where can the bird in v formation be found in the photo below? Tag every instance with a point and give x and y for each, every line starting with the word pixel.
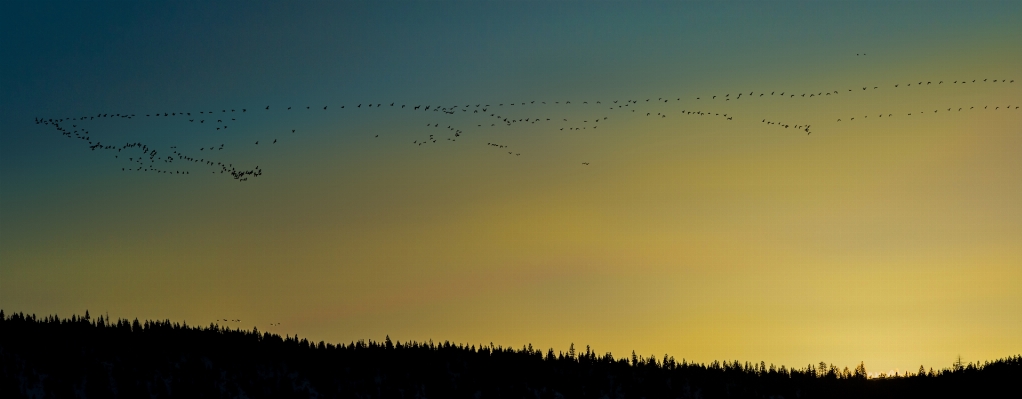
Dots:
pixel 150 160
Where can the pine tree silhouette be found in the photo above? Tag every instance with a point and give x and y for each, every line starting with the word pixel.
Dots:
pixel 101 358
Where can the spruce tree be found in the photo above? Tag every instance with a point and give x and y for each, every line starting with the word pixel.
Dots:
pixel 860 371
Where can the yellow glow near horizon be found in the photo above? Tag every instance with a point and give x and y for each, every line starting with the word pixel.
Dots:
pixel 891 239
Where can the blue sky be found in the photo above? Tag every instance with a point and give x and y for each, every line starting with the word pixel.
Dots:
pixel 366 231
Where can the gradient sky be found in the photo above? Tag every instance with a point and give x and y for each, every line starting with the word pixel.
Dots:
pixel 896 241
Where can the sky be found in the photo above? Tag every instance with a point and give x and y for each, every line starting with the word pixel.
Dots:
pixel 731 223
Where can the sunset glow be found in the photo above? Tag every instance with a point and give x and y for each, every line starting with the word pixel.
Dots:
pixel 893 239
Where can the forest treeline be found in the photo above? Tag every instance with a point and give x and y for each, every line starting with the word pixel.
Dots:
pixel 80 356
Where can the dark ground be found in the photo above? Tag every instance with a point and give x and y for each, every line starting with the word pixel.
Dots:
pixel 94 358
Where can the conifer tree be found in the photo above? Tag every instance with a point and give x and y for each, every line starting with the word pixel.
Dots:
pixel 860 371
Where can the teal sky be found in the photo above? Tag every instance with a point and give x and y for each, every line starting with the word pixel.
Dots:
pixel 894 242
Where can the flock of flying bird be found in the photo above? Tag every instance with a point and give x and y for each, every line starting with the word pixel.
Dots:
pixel 141 157
pixel 217 321
pixel 277 324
